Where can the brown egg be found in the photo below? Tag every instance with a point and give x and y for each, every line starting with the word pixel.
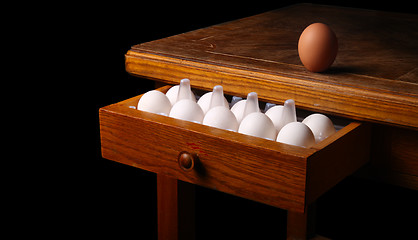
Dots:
pixel 317 47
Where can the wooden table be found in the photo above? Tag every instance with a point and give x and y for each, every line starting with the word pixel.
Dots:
pixel 374 80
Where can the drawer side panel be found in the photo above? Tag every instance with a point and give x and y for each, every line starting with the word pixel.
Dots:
pixel 345 152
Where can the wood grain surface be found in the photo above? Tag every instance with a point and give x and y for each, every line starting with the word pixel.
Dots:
pixel 374 77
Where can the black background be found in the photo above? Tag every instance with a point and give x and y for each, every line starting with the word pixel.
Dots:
pixel 108 199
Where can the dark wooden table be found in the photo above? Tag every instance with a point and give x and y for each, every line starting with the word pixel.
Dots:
pixel 374 75
pixel 374 79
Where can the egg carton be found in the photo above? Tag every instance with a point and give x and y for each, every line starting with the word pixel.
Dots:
pixel 279 123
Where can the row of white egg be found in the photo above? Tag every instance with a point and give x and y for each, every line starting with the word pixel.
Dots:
pixel 278 123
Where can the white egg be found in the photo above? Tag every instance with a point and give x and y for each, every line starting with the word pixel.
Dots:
pixel 221 117
pixel 296 133
pixel 282 115
pixel 175 95
pixel 155 102
pixel 321 126
pixel 172 94
pixel 244 107
pixel 275 114
pixel 204 101
pixel 238 110
pixel 188 110
pixel 257 124
pixel 234 100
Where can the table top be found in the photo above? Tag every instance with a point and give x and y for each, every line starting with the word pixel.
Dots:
pixel 374 77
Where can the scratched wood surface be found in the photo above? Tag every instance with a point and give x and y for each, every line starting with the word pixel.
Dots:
pixel 374 77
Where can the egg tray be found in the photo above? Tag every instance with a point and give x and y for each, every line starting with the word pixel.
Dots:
pixel 301 114
pixel 339 122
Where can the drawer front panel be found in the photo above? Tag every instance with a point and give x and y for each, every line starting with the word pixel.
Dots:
pixel 148 142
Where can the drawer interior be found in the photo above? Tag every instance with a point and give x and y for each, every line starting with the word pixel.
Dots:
pixel 277 174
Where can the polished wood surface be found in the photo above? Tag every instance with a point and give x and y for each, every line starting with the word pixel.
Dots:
pixel 374 77
pixel 273 173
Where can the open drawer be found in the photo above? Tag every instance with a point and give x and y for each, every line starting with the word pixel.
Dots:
pixel 280 175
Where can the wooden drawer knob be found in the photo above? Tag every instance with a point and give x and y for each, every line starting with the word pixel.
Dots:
pixel 186 161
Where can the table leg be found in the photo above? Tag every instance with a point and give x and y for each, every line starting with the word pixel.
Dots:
pixel 176 207
pixel 301 225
